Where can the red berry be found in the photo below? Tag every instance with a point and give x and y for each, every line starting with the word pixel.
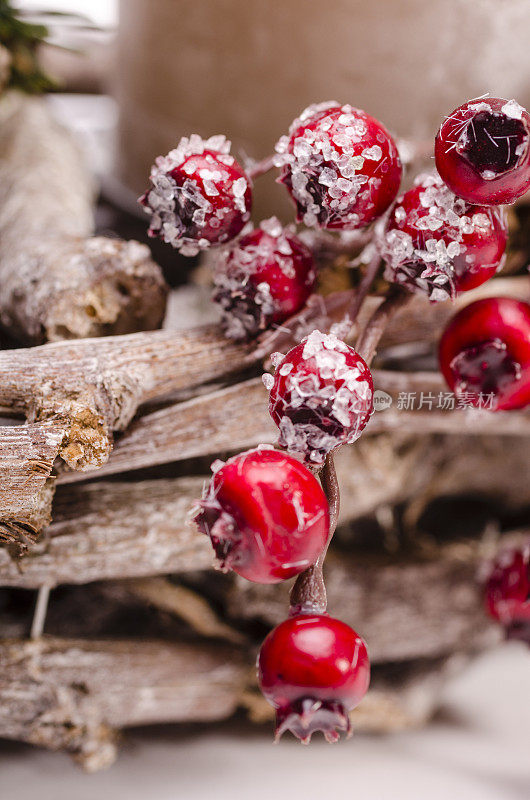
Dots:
pixel 482 151
pixel 508 591
pixel 340 165
pixel 485 351
pixel 199 195
pixel 321 396
pixel 313 669
pixel 266 515
pixel 262 279
pixel 436 243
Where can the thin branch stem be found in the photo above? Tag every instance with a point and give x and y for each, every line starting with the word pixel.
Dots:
pixel 364 287
pixel 41 608
pixel 261 168
pixel 308 594
pixel 375 327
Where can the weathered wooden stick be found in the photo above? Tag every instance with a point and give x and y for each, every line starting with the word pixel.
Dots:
pixel 94 386
pixel 27 453
pixel 112 530
pixel 237 417
pixel 74 694
pixel 55 281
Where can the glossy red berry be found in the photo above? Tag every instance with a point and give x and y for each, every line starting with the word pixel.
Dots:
pixel 262 279
pixel 340 165
pixel 485 352
pixel 321 396
pixel 508 592
pixel 266 515
pixel 313 669
pixel 437 244
pixel 199 195
pixel 482 151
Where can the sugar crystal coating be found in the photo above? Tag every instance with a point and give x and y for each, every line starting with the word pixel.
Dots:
pixel 321 397
pixel 262 279
pixel 437 244
pixel 199 195
pixel 340 165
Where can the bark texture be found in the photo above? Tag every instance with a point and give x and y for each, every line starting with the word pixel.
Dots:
pixel 57 282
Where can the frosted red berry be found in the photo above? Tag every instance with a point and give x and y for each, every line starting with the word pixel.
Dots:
pixel 508 591
pixel 482 151
pixel 321 396
pixel 199 195
pixel 266 515
pixel 262 279
pixel 313 669
pixel 436 244
pixel 340 165
pixel 485 353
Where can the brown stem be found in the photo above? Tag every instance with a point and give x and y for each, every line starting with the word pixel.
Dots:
pixel 261 168
pixel 375 327
pixel 364 288
pixel 308 595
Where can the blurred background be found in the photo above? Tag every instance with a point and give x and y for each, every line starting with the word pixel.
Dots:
pixel 246 68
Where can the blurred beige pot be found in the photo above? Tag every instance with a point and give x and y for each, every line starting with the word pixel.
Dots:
pixel 247 67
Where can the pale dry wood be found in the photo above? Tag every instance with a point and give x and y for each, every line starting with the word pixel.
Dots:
pixel 115 530
pixel 27 453
pixel 56 281
pixel 237 417
pixel 74 694
pixel 94 386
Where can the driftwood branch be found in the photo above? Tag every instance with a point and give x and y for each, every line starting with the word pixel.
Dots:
pixel 94 386
pixel 74 694
pixel 27 456
pixel 57 282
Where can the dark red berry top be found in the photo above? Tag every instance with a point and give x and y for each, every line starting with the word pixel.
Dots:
pixel 262 279
pixel 485 350
pixel 321 396
pixel 313 669
pixel 482 151
pixel 508 588
pixel 199 195
pixel 437 244
pixel 340 165
pixel 266 515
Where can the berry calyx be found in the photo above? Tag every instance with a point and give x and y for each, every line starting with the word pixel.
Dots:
pixel 321 396
pixel 313 669
pixel 199 195
pixel 435 243
pixel 262 279
pixel 266 515
pixel 482 151
pixel 485 351
pixel 340 165
pixel 508 592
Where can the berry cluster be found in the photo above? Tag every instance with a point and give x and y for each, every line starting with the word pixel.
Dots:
pixel 266 514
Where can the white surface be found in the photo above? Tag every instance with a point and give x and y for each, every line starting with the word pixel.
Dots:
pixel 102 12
pixel 477 749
